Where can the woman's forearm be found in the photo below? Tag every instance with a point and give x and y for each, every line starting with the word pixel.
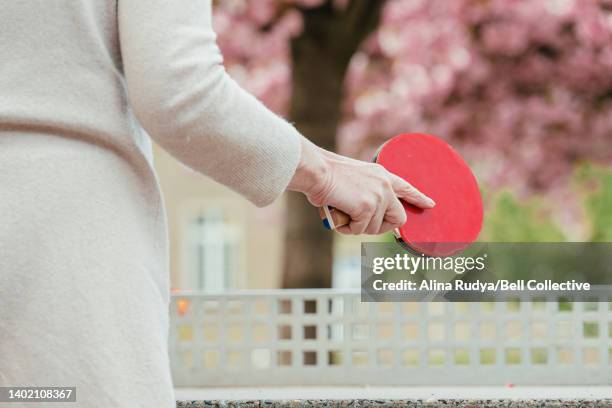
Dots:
pixel 185 100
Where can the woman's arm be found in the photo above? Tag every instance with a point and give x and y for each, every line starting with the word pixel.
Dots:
pixel 184 99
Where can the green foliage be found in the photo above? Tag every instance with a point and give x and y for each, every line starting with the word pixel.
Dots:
pixel 595 184
pixel 509 220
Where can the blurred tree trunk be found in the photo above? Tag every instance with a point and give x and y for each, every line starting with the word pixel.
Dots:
pixel 320 56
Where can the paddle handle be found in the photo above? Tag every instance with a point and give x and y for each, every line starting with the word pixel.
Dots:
pixel 333 218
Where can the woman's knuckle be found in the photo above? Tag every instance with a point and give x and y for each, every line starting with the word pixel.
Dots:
pixel 411 191
pixel 363 207
pixel 402 218
pixel 396 215
pixel 378 194
pixel 370 206
pixel 377 170
pixel 387 184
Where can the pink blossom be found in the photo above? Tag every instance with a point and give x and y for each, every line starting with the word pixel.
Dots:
pixel 523 88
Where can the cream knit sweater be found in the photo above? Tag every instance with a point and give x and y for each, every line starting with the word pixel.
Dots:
pixel 83 247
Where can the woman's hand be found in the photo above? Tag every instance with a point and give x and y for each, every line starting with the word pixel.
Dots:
pixel 365 191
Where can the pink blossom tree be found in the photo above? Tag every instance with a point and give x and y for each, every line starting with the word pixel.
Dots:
pixel 522 88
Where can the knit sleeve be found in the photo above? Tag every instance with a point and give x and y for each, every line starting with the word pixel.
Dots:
pixel 184 99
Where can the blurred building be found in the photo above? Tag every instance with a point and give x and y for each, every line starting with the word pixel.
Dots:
pixel 220 241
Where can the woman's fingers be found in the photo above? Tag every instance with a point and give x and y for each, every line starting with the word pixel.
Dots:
pixel 409 193
pixel 386 217
pixel 361 218
pixel 387 227
pixel 358 227
pixel 345 229
pixel 395 215
pixel 376 221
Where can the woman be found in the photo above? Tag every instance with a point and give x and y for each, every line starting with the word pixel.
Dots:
pixel 84 265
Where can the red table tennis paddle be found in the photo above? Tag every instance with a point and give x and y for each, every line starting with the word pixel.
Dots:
pixel 437 170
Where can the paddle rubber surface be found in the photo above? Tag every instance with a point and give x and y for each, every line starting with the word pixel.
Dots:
pixel 436 169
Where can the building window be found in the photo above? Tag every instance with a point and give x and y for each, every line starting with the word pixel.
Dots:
pixel 214 251
pixel 346 271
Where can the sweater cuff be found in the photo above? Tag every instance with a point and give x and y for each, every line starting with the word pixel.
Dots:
pixel 264 181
